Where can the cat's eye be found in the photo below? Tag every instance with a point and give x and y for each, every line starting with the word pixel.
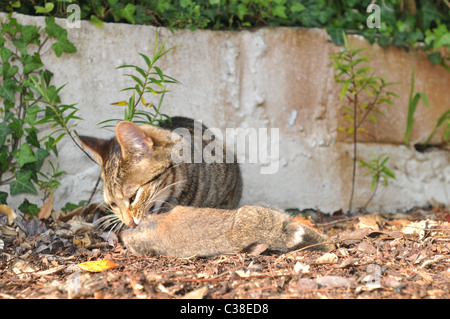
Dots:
pixel 133 198
pixel 113 205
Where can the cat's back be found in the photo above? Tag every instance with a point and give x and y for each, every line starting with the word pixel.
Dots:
pixel 181 122
pixel 215 183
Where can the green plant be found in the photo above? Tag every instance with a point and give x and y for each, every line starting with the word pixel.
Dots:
pixel 403 23
pixel 49 181
pixel 23 114
pixel 148 80
pixel 379 172
pixel 68 207
pixel 359 84
pixel 412 106
pixel 437 40
pixel 443 121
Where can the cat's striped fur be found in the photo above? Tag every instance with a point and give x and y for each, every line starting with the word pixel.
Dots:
pixel 141 177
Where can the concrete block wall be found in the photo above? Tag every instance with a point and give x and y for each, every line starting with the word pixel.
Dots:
pixel 267 78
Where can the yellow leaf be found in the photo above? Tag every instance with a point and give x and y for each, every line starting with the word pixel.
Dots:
pixel 120 103
pixel 98 265
pixel 86 241
pixel 327 258
pixel 46 209
pixel 145 103
pixel 9 212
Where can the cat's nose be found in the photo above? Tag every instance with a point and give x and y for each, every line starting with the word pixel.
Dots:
pixel 136 221
pixel 127 218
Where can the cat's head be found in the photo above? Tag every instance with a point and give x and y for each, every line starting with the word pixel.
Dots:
pixel 136 169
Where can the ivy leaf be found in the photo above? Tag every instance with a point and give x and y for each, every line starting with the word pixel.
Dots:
pixel 280 11
pixel 53 29
pixel 31 63
pixel 9 71
pixel 241 11
pixel 29 208
pixel 434 57
pixel 5 54
pixel 22 184
pixel 4 155
pixel 4 131
pixel 185 3
pixel 63 45
pixel 3 196
pixel 29 33
pixel 25 155
pixel 96 21
pixel 429 14
pixel 336 34
pixel 41 155
pixel 8 89
pixel 32 138
pixel 443 40
pixel 128 12
pixel 15 4
pixel 21 45
pixel 297 7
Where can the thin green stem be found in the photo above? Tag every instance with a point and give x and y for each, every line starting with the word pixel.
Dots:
pixel 373 193
pixel 355 132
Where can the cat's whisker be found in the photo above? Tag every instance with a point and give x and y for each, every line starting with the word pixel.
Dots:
pixel 170 185
pixel 104 205
pixel 102 220
pixel 166 187
pixel 159 201
pixel 107 225
pixel 107 221
pixel 118 223
pixel 154 198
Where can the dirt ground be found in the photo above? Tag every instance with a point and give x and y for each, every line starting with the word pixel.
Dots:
pixel 403 255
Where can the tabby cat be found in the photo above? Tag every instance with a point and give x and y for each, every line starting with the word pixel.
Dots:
pixel 140 175
pixel 204 232
pixel 194 201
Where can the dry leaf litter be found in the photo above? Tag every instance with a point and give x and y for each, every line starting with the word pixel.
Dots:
pixel 63 255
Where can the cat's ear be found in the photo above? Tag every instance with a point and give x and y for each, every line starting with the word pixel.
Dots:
pixel 133 140
pixel 99 147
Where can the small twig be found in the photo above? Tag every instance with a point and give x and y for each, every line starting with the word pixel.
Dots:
pixel 335 222
pixel 373 193
pixel 88 202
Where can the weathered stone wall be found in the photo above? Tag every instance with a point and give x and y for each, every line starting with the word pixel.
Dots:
pixel 268 78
